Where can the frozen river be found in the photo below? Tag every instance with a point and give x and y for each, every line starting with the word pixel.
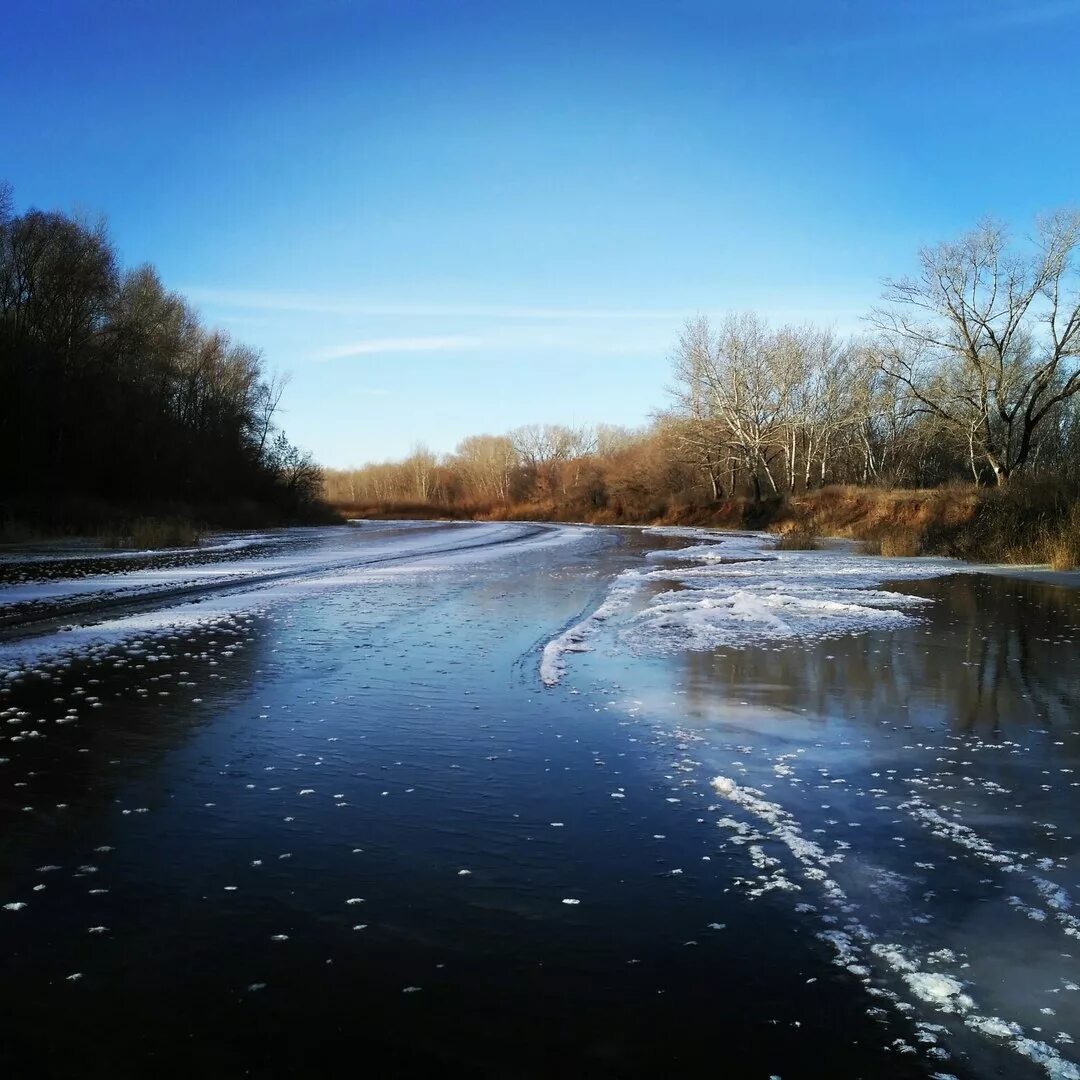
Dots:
pixel 515 799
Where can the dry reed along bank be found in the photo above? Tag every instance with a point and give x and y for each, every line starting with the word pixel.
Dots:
pixel 1023 523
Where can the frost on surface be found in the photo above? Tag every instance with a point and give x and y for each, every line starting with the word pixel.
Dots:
pixel 738 590
pixel 858 949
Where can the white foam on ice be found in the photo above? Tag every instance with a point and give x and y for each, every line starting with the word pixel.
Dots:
pixel 719 549
pixel 856 946
pixel 738 589
pixel 1054 896
pixel 576 638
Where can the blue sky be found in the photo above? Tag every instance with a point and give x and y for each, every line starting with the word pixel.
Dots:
pixel 446 218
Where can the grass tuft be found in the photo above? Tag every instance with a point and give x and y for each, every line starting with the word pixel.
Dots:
pixel 1064 545
pixel 900 543
pixel 148 533
pixel 800 538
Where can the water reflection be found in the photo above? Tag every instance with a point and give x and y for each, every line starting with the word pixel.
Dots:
pixel 372 794
pixel 989 655
pixel 77 734
pixel 298 866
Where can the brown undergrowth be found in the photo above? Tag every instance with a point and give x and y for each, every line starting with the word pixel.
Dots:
pixel 1032 523
pixel 1022 523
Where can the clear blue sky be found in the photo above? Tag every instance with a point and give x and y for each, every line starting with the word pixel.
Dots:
pixel 447 218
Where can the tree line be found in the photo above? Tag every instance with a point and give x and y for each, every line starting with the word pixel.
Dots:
pixel 112 388
pixel 968 370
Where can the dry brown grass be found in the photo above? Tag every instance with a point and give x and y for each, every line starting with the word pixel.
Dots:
pixel 1024 523
pixel 148 533
pixel 798 540
pixel 412 509
pixel 1063 548
pixel 1032 522
pixel 897 519
pixel 903 543
pixel 1065 556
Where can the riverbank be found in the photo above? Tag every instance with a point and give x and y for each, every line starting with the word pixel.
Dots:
pixel 144 525
pixel 1036 524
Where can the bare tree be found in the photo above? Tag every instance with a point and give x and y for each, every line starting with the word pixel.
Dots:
pixel 613 439
pixel 836 381
pixel 486 463
pixel 421 465
pixel 267 399
pixel 544 449
pixel 741 379
pixel 110 385
pixel 297 471
pixel 986 338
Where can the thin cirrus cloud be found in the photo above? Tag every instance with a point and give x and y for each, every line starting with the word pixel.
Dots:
pixel 378 346
pixel 331 305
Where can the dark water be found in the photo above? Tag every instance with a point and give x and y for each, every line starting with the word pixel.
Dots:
pixel 335 829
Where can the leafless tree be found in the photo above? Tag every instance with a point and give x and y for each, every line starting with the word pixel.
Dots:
pixel 420 466
pixel 111 387
pixel 266 403
pixel 736 384
pixel 543 450
pixel 986 337
pixel 486 464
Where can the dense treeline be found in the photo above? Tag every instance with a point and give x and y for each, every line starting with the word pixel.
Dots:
pixel 969 372
pixel 111 389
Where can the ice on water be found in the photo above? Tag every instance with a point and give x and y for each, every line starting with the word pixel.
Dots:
pixel 296 568
pixel 737 589
pixel 875 905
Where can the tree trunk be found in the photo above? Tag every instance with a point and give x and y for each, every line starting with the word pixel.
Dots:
pixel 1001 472
pixel 769 475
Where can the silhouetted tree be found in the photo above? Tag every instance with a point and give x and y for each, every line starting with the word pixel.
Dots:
pixel 111 387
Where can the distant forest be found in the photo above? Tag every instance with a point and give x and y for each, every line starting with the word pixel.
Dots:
pixel 968 372
pixel 113 393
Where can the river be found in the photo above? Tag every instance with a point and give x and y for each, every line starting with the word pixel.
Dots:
pixel 513 799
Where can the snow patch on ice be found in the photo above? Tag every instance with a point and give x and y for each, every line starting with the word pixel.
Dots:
pixel 736 589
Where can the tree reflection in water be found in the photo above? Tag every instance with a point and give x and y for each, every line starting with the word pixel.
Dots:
pixel 990 655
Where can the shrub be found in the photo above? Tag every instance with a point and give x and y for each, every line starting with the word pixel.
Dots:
pixel 798 539
pixel 900 543
pixel 1064 546
pixel 148 533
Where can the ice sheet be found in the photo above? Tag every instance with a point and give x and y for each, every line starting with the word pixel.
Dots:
pixel 349 558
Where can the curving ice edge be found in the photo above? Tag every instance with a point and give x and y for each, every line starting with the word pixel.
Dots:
pixel 292 572
pixel 553 657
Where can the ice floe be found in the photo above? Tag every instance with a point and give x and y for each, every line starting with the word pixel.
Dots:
pixel 738 589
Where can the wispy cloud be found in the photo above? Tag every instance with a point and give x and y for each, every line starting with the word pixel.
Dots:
pixel 331 305
pixel 376 346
